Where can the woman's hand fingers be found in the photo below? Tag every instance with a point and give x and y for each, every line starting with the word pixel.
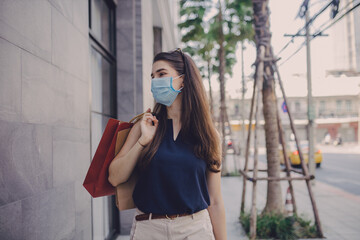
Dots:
pixel 147 114
pixel 156 122
pixel 149 118
pixel 149 125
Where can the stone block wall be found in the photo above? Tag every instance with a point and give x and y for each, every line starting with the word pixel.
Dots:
pixel 44 119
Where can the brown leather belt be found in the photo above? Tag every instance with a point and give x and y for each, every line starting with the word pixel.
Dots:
pixel 145 216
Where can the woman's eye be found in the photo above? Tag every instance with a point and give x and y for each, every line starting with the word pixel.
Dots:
pixel 162 74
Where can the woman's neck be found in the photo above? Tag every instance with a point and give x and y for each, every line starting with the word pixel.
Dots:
pixel 174 111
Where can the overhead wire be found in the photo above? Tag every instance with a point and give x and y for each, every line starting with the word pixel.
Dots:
pixel 339 12
pixel 303 28
pixel 335 21
pixel 319 31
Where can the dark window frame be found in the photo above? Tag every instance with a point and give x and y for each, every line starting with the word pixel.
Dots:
pixel 108 54
pixel 111 53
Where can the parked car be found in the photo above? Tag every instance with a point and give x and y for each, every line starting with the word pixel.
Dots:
pixel 293 154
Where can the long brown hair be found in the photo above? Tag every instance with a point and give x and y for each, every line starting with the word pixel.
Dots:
pixel 197 126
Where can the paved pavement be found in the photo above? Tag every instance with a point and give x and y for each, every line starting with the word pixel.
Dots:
pixel 339 210
pixel 352 148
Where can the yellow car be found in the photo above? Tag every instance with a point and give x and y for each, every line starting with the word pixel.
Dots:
pixel 293 154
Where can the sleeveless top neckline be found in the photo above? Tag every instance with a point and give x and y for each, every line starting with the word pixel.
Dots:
pixel 171 124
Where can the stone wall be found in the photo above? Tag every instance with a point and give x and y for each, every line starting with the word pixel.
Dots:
pixel 44 120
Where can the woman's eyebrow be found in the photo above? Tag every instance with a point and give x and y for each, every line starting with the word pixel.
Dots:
pixel 158 71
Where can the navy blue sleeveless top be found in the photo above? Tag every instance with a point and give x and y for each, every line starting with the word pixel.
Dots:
pixel 175 180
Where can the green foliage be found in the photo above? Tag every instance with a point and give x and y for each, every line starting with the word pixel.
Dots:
pixel 201 36
pixel 278 226
pixel 232 174
pixel 245 222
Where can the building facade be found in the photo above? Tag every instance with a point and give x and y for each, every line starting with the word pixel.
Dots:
pixel 66 68
pixel 345 38
pixel 336 107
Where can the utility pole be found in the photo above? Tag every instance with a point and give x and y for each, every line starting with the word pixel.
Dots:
pixel 243 91
pixel 310 108
pixel 304 10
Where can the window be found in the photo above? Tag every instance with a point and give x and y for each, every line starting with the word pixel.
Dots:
pixel 338 105
pixel 105 217
pixel 103 64
pixel 102 23
pixel 348 105
pixel 322 107
pixel 102 85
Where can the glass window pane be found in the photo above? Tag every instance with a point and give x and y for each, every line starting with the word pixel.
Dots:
pixel 96 81
pixel 103 91
pixel 100 21
pixel 338 105
pixel 322 107
pixel 348 105
pixel 98 124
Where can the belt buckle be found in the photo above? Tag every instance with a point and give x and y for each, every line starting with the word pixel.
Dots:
pixel 172 218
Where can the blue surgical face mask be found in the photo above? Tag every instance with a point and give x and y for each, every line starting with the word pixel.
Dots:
pixel 163 91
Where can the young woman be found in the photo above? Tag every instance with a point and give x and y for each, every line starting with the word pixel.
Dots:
pixel 177 152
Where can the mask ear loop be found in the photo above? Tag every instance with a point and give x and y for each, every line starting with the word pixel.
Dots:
pixel 178 77
pixel 171 84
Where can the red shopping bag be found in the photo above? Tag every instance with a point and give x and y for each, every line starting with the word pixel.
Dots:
pixel 96 180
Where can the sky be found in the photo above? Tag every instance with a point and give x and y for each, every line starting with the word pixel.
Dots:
pixel 283 20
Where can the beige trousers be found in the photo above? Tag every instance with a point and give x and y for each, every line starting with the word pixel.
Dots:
pixel 191 227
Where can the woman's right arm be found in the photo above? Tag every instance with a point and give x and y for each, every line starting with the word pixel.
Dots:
pixel 124 162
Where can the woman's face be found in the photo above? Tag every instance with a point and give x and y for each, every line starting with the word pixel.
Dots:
pixel 163 69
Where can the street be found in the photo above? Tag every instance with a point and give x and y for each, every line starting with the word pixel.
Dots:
pixel 340 168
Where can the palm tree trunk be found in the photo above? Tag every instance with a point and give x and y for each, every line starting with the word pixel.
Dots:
pixel 274 201
pixel 224 170
pixel 274 197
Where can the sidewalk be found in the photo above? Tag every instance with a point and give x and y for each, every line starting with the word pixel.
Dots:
pixel 352 148
pixel 339 211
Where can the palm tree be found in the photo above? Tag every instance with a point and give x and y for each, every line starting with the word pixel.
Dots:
pixel 231 24
pixel 197 40
pixel 274 201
